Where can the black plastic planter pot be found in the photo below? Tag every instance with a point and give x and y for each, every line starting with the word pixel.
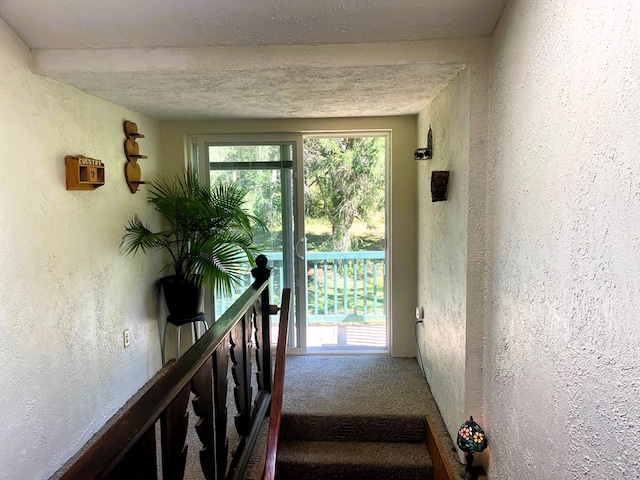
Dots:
pixel 183 298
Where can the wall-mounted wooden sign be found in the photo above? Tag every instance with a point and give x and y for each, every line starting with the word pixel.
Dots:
pixel 439 184
pixel 84 173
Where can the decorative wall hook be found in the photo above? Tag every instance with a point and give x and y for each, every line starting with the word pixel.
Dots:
pixel 439 184
pixel 425 153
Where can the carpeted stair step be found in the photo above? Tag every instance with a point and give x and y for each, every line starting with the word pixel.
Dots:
pixel 354 428
pixel 314 460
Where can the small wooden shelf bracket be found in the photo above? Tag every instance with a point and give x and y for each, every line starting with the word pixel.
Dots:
pixel 132 170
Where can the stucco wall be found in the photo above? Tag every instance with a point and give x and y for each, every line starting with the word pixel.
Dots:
pixel 442 248
pixel 451 244
pixel 402 236
pixel 563 357
pixel 66 293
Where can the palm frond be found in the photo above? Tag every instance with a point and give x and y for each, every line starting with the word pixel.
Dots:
pixel 139 237
pixel 221 260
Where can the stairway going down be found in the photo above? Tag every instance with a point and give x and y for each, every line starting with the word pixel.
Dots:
pixel 356 417
pixel 353 446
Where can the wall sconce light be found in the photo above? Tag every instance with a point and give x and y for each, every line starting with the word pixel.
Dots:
pixel 425 153
pixel 439 184
pixel 471 439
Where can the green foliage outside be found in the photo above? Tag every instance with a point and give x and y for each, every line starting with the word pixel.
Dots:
pixel 344 182
pixel 344 189
pixel 263 187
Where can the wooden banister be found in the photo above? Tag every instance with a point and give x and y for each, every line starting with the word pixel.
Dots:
pixel 275 417
pixel 441 468
pixel 128 448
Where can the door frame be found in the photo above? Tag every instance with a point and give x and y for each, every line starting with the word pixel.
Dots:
pixel 198 159
pixel 386 133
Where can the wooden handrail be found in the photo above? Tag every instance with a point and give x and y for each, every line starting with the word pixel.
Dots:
pixel 129 446
pixel 441 468
pixel 277 391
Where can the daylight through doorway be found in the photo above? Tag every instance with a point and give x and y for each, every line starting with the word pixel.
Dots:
pixel 323 200
pixel 344 244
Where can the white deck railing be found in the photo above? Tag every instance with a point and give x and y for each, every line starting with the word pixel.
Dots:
pixel 342 287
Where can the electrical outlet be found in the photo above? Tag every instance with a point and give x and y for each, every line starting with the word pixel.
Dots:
pixel 126 338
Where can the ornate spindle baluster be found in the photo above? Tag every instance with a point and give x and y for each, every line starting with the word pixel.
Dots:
pixel 201 386
pixel 220 359
pixel 174 422
pixel 262 273
pixel 256 321
pixel 241 360
pixel 141 460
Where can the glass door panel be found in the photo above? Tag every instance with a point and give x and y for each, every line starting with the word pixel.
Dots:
pixel 345 226
pixel 265 172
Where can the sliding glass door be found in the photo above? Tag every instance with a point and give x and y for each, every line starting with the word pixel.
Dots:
pixel 323 201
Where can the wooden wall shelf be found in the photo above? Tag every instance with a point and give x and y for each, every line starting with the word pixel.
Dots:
pixel 131 130
pixel 84 173
pixel 132 170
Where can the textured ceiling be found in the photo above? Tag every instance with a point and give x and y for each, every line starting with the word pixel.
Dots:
pixel 186 53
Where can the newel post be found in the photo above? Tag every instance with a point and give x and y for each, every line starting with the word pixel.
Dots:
pixel 261 274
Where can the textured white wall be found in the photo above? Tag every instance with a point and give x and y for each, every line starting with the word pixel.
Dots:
pixel 442 248
pixel 563 356
pixel 402 241
pixel 66 293
pixel 451 245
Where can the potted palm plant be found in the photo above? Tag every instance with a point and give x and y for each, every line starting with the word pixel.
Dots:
pixel 207 234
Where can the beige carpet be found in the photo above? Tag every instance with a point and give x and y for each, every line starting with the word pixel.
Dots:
pixel 340 398
pixel 356 385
